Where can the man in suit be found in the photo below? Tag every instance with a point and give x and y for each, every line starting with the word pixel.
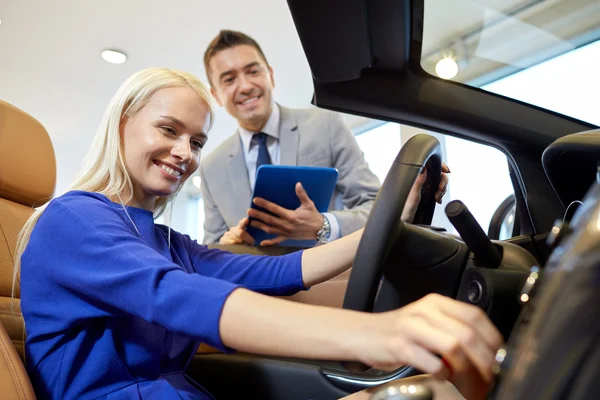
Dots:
pixel 242 81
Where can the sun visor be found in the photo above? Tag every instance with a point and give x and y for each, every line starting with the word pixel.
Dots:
pixel 335 37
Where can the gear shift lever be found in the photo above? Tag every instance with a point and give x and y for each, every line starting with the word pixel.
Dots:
pixel 472 234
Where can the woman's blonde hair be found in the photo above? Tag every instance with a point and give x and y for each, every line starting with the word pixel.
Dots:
pixel 104 168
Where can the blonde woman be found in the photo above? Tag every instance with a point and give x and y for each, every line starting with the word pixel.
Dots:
pixel 116 305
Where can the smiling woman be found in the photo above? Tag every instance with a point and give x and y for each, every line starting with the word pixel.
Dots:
pixel 148 144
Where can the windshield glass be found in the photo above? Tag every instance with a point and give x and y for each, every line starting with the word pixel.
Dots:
pixel 546 53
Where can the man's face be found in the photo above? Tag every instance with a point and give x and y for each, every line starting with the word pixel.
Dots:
pixel 242 82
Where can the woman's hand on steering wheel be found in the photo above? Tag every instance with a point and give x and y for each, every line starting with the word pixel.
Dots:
pixel 414 197
pixel 439 336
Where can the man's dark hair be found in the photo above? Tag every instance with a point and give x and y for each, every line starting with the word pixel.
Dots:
pixel 227 39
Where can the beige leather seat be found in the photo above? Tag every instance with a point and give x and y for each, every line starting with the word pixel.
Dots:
pixel 27 179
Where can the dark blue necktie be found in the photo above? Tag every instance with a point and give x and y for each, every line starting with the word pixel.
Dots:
pixel 263 153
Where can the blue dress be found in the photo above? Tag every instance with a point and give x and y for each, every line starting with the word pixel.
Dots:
pixel 111 313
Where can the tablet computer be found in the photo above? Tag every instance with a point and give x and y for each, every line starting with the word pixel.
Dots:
pixel 277 183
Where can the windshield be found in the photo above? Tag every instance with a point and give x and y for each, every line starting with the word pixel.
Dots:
pixel 546 53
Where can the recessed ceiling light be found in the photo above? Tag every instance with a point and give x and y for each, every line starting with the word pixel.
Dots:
pixel 114 57
pixel 446 68
pixel 0 21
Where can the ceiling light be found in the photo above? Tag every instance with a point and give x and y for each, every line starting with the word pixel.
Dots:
pixel 446 68
pixel 114 57
pixel 196 181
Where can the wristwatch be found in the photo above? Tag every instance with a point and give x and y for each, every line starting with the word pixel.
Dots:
pixel 324 232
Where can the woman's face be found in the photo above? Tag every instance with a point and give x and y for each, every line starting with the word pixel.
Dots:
pixel 162 143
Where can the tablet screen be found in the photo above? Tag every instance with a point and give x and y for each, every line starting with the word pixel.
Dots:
pixel 277 183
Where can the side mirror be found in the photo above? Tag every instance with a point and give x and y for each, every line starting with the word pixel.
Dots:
pixel 502 223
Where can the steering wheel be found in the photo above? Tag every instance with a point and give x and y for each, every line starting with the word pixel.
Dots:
pixel 421 151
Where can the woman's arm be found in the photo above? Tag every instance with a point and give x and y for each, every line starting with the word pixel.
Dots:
pixel 255 323
pixel 324 262
pixel 417 334
pixel 278 275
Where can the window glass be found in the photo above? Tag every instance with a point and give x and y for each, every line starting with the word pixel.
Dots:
pixel 545 53
pixel 479 174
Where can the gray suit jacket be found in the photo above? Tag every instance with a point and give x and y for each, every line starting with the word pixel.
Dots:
pixel 312 137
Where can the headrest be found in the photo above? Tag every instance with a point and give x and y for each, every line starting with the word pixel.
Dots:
pixel 571 163
pixel 27 163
